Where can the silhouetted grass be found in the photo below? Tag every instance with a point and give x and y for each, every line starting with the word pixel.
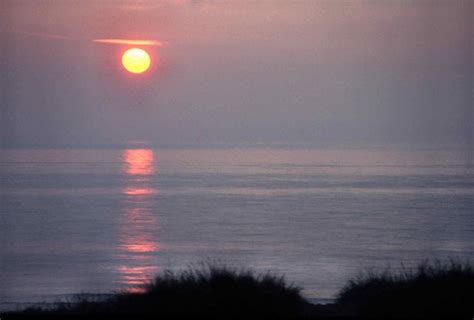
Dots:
pixel 432 289
pixel 210 290
pixel 216 291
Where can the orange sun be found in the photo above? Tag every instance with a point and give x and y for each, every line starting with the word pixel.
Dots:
pixel 136 60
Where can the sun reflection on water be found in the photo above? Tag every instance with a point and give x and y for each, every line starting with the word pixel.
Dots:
pixel 138 191
pixel 139 162
pixel 139 227
pixel 139 231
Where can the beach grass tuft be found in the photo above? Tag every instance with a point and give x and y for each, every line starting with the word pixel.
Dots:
pixel 432 288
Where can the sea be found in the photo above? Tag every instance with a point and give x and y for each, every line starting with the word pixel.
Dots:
pixel 96 221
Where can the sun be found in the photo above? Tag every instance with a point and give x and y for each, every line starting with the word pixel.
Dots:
pixel 136 60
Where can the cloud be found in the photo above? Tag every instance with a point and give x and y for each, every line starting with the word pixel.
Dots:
pixel 44 35
pixel 53 36
pixel 130 42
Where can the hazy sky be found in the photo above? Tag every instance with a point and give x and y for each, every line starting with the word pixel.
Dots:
pixel 323 72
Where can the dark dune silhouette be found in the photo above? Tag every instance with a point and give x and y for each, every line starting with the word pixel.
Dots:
pixel 432 290
pixel 212 291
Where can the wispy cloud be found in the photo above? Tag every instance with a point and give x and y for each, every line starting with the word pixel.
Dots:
pixel 130 42
pixel 115 41
pixel 140 6
pixel 44 35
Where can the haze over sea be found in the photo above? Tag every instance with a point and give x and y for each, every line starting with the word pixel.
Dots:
pixel 99 220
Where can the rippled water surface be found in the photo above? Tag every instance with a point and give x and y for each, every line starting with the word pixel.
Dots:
pixel 79 220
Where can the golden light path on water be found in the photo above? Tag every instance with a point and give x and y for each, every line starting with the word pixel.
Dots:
pixel 139 226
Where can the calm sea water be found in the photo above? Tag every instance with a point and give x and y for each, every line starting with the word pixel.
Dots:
pixel 94 221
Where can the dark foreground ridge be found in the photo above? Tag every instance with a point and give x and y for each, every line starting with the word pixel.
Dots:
pixel 216 291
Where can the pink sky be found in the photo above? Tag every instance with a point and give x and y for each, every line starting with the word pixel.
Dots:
pixel 319 71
